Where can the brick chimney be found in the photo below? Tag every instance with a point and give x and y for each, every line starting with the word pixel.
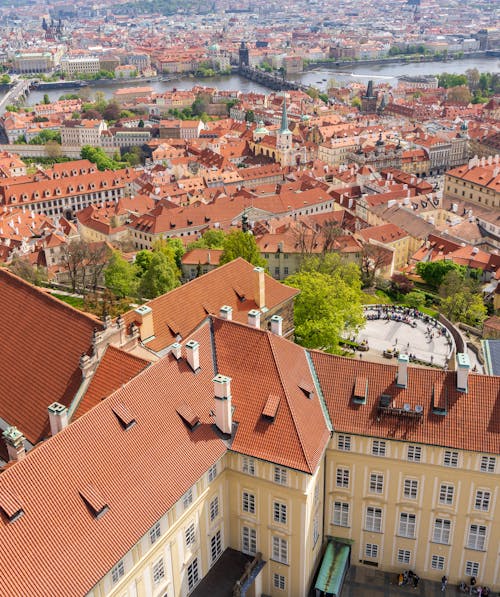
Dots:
pixel 58 417
pixel 259 287
pixel 14 440
pixel 226 312
pixel 463 367
pixel 402 379
pixel 254 318
pixel 277 325
pixel 193 354
pixel 223 407
pixel 145 318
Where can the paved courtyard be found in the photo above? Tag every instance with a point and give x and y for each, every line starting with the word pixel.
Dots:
pixel 425 341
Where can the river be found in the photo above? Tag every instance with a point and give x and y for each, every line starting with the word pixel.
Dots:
pixel 318 78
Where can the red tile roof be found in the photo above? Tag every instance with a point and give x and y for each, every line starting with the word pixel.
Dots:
pixel 43 339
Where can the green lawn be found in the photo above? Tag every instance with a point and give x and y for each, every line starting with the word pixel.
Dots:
pixel 379 298
pixel 74 301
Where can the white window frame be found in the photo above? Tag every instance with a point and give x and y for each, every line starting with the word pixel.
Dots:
pixel 379 447
pixel 279 581
pixel 471 568
pixel 410 489
pixel 248 465
pixel 450 458
pixel 441 531
pixel 190 535
pixel 476 537
pixel 212 473
pixel 154 533
pixel 437 562
pixel 376 484
pixel 248 540
pixel 280 513
pixel 404 556
pixel 158 571
pixel 341 514
pixel 117 572
pixel 344 443
pixel 488 464
pixel 187 498
pixel 373 519
pixel 279 549
pixel 280 475
pixel 193 574
pixel 407 525
pixel 371 551
pixel 446 494
pixel 248 502
pixel 215 546
pixel 482 500
pixel 214 508
pixel 342 477
pixel 414 453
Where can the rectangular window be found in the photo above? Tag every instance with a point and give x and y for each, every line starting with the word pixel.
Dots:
pixel 249 541
pixel 482 501
pixel 450 458
pixel 279 581
pixel 154 533
pixel 414 453
pixel 315 529
pixel 193 574
pixel 187 498
pixel 285 269
pixel 214 508
pixel 378 447
pixel 373 519
pixel 248 465
pixel 488 464
pixel 248 502
pixel 477 537
pixel 212 473
pixel 437 562
pixel 343 477
pixel 404 556
pixel 376 483
pixel 158 571
pixel 277 272
pixel 371 550
pixel 280 475
pixel 280 550
pixel 344 443
pixel 190 535
pixel 341 514
pixel 446 493
pixel 441 532
pixel 410 489
pixel 407 525
pixel 215 547
pixel 279 512
pixel 471 568
pixel 117 572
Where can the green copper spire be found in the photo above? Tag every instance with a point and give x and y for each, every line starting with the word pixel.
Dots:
pixel 284 120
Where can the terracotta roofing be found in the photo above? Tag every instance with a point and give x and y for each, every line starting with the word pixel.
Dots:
pixel 298 434
pixel 182 309
pixel 115 369
pixel 472 420
pixel 43 341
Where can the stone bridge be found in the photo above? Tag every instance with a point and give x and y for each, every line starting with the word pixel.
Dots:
pixel 271 80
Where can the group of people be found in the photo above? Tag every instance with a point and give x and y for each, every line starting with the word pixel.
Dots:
pixel 408 577
pixel 472 589
pixel 390 313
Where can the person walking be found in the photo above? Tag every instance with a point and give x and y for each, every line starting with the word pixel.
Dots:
pixel 444 582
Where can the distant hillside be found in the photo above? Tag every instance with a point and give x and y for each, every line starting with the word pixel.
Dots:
pixel 165 7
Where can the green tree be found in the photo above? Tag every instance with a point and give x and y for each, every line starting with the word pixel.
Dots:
pixel 414 299
pixel 434 272
pixel 160 277
pixel 99 157
pixel 178 250
pixel 140 124
pixel 143 260
pixel 4 80
pixel 356 102
pixel 326 308
pixel 465 306
pixel 211 239
pixel 121 276
pixel 250 116
pixel 241 244
pixel 46 99
pixel 334 266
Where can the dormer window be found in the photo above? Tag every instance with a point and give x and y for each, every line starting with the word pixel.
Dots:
pixel 47 193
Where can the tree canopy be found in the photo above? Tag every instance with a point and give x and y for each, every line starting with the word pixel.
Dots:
pixel 160 277
pixel 433 272
pixel 121 276
pixel 241 244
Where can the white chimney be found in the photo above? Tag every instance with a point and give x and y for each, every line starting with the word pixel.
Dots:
pixel 277 325
pixel 177 350
pixel 223 407
pixel 58 417
pixel 193 354
pixel 402 379
pixel 259 293
pixel 226 312
pixel 254 318
pixel 14 440
pixel 463 366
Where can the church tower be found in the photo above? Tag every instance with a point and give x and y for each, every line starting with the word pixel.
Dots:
pixel 284 139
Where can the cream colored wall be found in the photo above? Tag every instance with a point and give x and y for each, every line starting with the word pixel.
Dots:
pixel 430 474
pixel 461 190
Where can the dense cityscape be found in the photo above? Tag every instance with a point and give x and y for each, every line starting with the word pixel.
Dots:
pixel 249 270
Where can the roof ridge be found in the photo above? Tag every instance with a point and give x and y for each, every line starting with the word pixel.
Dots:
pixel 271 338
